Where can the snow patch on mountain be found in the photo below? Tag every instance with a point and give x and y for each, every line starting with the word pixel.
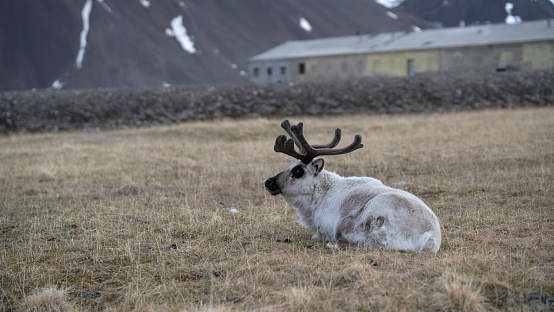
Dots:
pixel 179 32
pixel 105 6
pixel 510 19
pixel 85 14
pixel 305 24
pixel 145 3
pixel 389 3
pixel 392 15
pixel 57 84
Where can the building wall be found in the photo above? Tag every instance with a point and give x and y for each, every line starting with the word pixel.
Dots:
pixel 474 59
pixel 521 56
pixel 539 55
pixel 396 63
pixel 328 67
pixel 482 58
pixel 269 71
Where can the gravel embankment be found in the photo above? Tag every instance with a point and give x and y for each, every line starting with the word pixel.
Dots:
pixel 50 111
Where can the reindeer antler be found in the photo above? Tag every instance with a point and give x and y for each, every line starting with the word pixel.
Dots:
pixel 306 151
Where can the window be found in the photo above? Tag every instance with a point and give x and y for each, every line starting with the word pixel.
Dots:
pixel 410 67
pixel 361 67
pixel 269 71
pixel 344 67
pixel 301 68
pixel 283 70
pixel 256 71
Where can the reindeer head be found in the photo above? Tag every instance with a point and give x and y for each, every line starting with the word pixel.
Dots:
pixel 300 177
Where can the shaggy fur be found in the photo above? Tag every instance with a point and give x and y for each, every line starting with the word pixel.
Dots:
pixel 360 211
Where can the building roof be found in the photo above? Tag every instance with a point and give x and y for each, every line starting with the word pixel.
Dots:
pixel 413 40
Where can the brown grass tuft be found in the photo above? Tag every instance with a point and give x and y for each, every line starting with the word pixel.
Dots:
pixel 462 293
pixel 47 299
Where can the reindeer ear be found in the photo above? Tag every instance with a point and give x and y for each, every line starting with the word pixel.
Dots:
pixel 317 165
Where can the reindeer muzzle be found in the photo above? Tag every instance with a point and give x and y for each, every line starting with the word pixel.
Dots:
pixel 271 186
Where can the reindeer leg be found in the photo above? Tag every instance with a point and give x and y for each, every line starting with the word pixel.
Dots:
pixel 344 245
pixel 317 235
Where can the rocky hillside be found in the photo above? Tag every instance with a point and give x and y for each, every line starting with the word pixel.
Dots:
pixel 114 43
pixel 452 13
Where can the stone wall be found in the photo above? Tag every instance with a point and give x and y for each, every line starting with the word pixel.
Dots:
pixel 51 111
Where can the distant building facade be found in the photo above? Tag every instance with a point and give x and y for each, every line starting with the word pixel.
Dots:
pixel 483 48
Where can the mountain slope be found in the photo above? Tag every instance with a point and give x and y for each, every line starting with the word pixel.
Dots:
pixel 453 12
pixel 136 42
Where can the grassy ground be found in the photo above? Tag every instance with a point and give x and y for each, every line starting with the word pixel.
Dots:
pixel 140 219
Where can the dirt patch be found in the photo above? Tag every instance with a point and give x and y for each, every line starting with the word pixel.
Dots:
pixel 52 111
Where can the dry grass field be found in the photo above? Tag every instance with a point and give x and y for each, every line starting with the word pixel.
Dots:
pixel 139 220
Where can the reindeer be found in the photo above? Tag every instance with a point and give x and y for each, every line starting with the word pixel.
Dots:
pixel 349 212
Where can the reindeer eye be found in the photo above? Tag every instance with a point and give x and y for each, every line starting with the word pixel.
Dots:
pixel 297 172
